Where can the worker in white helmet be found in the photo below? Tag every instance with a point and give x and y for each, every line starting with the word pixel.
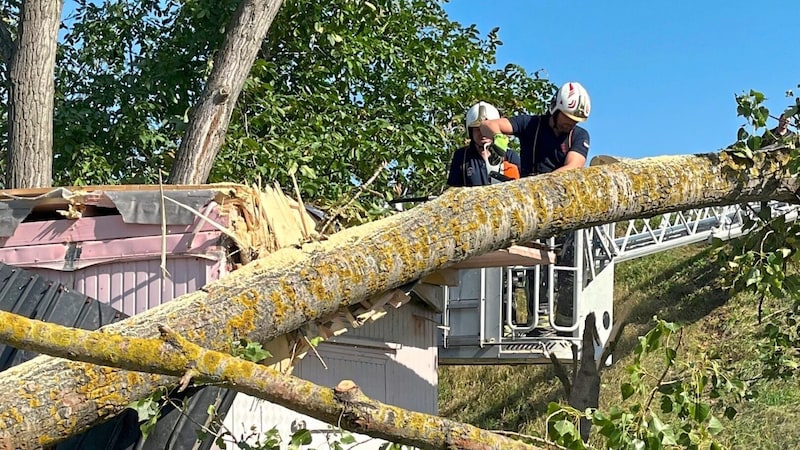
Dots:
pixel 480 163
pixel 552 141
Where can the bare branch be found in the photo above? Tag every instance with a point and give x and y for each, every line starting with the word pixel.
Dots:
pixel 361 190
pixel 562 374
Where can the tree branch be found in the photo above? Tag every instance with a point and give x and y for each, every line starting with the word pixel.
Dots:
pixel 172 354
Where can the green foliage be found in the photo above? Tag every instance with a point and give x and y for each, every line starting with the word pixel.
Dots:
pixel 758 261
pixel 338 88
pixel 344 86
pixel 148 410
pixel 250 351
pixel 126 75
pixel 665 404
pixel 336 439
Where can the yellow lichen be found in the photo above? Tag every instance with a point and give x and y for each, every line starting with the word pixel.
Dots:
pixel 242 324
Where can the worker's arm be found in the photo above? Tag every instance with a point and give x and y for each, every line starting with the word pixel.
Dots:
pixel 574 161
pixel 578 151
pixel 489 128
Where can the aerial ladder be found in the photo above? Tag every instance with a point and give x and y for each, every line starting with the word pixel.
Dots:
pixel 487 317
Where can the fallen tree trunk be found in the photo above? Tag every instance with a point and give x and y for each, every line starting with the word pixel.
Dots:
pixel 345 405
pixel 291 287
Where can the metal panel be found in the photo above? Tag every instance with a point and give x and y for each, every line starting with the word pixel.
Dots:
pixel 249 411
pixel 412 325
pixel 366 366
pixel 392 360
pixel 136 286
pixel 411 373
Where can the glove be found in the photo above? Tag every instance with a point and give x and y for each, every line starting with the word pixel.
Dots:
pixel 500 145
pixel 501 142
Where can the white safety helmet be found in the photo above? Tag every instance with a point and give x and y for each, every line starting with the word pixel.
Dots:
pixel 479 112
pixel 572 100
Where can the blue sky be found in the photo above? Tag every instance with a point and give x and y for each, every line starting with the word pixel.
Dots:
pixel 662 75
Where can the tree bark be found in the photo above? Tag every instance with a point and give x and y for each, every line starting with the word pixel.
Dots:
pixel 585 392
pixel 291 287
pixel 211 114
pixel 345 406
pixel 29 157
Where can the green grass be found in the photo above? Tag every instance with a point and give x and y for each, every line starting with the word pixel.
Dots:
pixel 682 285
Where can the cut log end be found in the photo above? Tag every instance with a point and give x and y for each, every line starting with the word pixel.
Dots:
pixel 345 386
pixel 347 391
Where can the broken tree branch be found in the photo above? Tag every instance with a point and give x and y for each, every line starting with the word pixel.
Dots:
pixel 174 355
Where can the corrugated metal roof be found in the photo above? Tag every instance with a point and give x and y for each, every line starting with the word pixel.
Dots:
pixel 31 295
pixel 28 294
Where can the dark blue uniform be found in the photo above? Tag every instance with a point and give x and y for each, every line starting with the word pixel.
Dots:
pixel 467 168
pixel 541 150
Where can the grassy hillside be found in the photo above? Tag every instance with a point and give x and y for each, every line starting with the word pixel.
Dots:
pixel 682 285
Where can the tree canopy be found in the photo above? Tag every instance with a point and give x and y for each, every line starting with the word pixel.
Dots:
pixel 337 89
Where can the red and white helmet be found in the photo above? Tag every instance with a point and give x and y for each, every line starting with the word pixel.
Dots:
pixel 479 112
pixel 572 100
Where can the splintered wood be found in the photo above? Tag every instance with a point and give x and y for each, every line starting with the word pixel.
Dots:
pixel 357 315
pixel 265 220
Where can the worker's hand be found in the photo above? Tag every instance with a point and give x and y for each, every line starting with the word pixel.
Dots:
pixel 501 142
pixel 499 146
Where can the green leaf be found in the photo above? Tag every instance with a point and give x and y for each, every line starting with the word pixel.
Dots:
pixel 147 427
pixel 656 424
pixel 348 439
pixel 292 169
pixel 714 426
pixel 308 172
pixel 701 412
pixel 627 390
pixel 666 404
pixel 668 437
pixel 301 437
pixel 753 276
pixel 255 353
pixel 565 428
pixel 742 134
pixel 669 355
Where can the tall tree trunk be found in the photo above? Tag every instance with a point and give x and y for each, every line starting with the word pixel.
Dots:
pixel 291 287
pixel 29 157
pixel 209 118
